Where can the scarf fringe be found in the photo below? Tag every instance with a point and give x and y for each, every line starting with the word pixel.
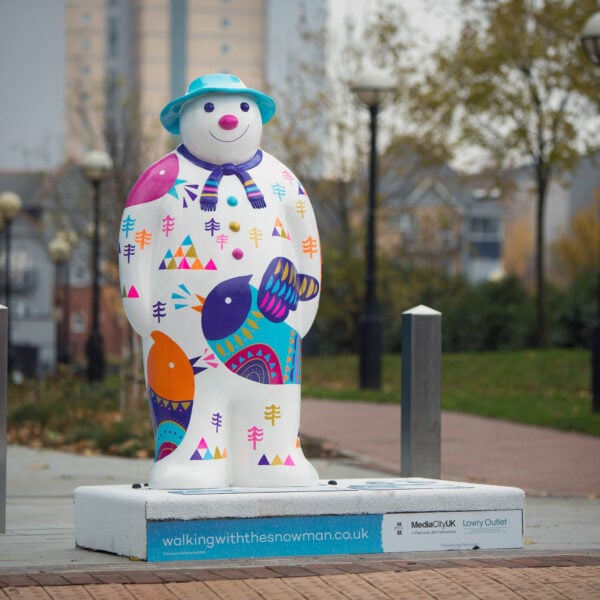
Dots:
pixel 208 204
pixel 258 203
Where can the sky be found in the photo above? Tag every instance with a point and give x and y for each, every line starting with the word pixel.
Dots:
pixel 32 76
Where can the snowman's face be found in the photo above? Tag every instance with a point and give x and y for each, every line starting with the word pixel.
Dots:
pixel 221 128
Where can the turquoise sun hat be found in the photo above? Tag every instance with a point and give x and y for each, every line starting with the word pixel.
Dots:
pixel 207 84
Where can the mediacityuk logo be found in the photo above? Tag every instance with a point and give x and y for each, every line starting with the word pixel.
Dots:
pixel 437 524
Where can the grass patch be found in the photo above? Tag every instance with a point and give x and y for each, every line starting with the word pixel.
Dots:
pixel 550 388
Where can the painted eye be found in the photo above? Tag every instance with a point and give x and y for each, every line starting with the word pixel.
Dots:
pixel 245 106
pixel 209 107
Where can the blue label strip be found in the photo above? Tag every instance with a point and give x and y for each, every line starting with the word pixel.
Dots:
pixel 261 537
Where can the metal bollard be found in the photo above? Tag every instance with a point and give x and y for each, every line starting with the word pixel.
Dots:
pixel 421 393
pixel 3 409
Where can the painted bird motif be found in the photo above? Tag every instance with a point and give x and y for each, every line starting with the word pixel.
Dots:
pixel 170 378
pixel 246 328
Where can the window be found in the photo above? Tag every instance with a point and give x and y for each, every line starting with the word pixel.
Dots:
pixel 484 226
pixel 79 322
pixel 485 239
pixel 407 224
pixel 485 250
pixel 113 36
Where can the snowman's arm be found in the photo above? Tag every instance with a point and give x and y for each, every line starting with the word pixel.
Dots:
pixel 307 250
pixel 135 265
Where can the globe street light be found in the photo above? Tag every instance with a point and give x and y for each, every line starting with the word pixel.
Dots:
pixel 60 252
pixel 371 89
pixel 10 206
pixel 590 40
pixel 96 166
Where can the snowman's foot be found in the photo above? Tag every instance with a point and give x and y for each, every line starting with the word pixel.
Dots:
pixel 191 474
pixel 276 470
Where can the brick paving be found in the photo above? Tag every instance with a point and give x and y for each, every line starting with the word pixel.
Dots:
pixel 488 578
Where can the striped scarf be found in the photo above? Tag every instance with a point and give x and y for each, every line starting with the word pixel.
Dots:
pixel 210 191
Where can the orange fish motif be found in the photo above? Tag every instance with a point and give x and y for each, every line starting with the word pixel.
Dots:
pixel 170 377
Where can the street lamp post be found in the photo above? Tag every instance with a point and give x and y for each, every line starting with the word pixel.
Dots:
pixel 10 206
pixel 371 89
pixel 96 166
pixel 590 40
pixel 60 251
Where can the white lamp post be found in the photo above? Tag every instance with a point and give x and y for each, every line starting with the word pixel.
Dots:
pixel 371 88
pixel 10 206
pixel 590 40
pixel 96 166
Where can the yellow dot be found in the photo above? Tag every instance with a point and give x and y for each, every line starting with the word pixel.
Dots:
pixel 234 226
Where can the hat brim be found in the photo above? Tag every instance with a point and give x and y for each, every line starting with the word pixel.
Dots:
pixel 170 114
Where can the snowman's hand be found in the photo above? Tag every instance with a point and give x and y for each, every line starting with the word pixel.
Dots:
pixel 136 257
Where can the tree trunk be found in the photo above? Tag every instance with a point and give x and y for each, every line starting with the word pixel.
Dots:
pixel 133 389
pixel 542 178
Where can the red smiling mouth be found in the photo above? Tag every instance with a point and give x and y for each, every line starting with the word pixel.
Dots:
pixel 230 141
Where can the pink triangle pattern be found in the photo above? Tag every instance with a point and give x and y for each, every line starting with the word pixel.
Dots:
pixel 279 230
pixel 276 461
pixel 185 258
pixel 203 452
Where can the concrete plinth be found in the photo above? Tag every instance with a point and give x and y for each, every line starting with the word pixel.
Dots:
pixel 349 516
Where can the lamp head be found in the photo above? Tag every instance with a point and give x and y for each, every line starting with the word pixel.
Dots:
pixel 372 87
pixel 10 205
pixel 590 38
pixel 96 165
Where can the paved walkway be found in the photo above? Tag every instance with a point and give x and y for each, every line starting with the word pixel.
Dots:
pixel 566 578
pixel 560 559
pixel 539 460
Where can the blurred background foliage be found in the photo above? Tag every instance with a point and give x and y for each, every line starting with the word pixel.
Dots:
pixel 488 316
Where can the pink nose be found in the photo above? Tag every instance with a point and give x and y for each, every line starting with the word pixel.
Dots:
pixel 228 122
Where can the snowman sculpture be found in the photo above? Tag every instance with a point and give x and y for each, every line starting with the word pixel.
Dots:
pixel 220 266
